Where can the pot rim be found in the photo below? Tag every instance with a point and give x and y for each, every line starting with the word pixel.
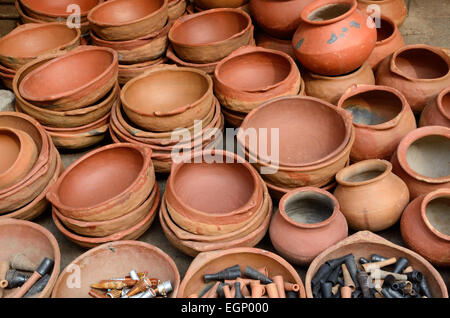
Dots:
pixel 376 1
pixel 173 57
pixel 78 130
pixel 287 196
pixel 366 164
pixel 440 104
pixel 423 210
pixel 357 71
pixel 412 137
pixel 394 30
pixel 143 65
pixel 54 15
pixel 321 3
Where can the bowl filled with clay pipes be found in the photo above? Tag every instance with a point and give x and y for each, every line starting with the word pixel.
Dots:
pixel 365 265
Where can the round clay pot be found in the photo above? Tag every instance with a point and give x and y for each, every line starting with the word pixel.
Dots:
pixel 128 72
pixel 364 244
pixel 308 221
pixel 425 226
pixel 251 75
pixel 212 262
pixel 421 160
pixel 176 9
pixel 208 68
pixel 331 88
pixel 36 242
pixel 58 9
pixel 121 257
pixel 419 71
pixel 311 131
pixel 381 117
pixel 334 37
pixel 128 19
pixel 16 49
pixel 266 41
pixel 396 10
pixel 370 195
pixel 168 97
pixel 211 35
pixel 437 112
pixel 93 72
pixel 19 156
pixel 212 4
pixel 85 196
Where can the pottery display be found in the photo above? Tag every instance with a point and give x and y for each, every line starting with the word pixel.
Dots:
pixel 425 226
pixel 176 9
pixel 437 112
pixel 381 117
pixel 51 9
pixel 419 71
pixel 334 37
pixel 212 4
pixel 128 72
pixel 382 196
pixel 206 67
pixel 277 192
pixel 308 221
pixel 421 160
pixel 266 41
pixel 396 10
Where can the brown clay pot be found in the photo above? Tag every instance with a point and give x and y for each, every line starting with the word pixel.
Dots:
pixel 396 10
pixel 251 75
pixel 35 242
pixel 437 112
pixel 419 71
pixel 277 192
pixel 370 195
pixel 211 35
pixel 381 117
pixel 128 72
pixel 266 41
pixel 308 221
pixel 102 196
pixel 334 37
pixel 173 103
pixel 208 68
pixel 331 88
pixel 212 262
pixel 364 244
pixel 425 226
pixel 212 4
pixel 128 19
pixel 176 9
pixel 120 257
pixel 421 160
pixel 93 73
pixel 234 119
pixel 58 9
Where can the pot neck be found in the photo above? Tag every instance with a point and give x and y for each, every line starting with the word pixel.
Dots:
pixel 441 193
pixel 344 177
pixel 306 12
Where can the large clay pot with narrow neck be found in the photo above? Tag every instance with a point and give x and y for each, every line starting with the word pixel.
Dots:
pixel 396 10
pixel 381 117
pixel 370 195
pixel 419 71
pixel 335 37
pixel 308 221
pixel 425 226
pixel 437 112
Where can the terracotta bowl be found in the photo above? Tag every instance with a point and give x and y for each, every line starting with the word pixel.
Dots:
pixel 16 50
pixel 128 19
pixel 211 35
pixel 264 40
pixel 177 8
pixel 207 67
pixel 277 192
pixel 311 131
pixel 57 9
pixel 364 244
pixel 212 4
pixel 129 71
pixel 212 262
pixel 112 191
pixel 234 119
pixel 93 73
pixel 35 242
pixel 437 112
pixel 167 97
pixel 121 257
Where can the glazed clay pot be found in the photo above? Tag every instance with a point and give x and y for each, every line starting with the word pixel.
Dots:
pixel 370 195
pixel 211 35
pixel 396 10
pixel 421 160
pixel 437 112
pixel 425 226
pixel 251 75
pixel 381 117
pixel 308 221
pixel 331 88
pixel 419 71
pixel 334 38
pixel 266 41
pixel 279 19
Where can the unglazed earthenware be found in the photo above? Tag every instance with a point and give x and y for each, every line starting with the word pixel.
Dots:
pixel 176 9
pixel 52 9
pixel 207 67
pixel 266 41
pixel 437 112
pixel 211 4
pixel 396 10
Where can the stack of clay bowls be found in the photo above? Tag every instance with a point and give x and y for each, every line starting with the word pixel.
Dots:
pixel 29 165
pixel 297 141
pixel 202 39
pixel 95 203
pixel 177 8
pixel 73 105
pixel 251 76
pixel 46 38
pixel 136 29
pixel 212 206
pixel 202 5
pixel 165 99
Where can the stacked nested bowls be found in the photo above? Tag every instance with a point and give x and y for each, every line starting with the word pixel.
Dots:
pixel 95 203
pixel 202 5
pixel 30 164
pixel 214 200
pixel 136 29
pixel 75 102
pixel 169 109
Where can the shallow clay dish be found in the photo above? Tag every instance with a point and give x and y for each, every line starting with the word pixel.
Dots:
pixel 36 242
pixel 121 257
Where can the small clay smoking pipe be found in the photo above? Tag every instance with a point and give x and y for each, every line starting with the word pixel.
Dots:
pixel 44 268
